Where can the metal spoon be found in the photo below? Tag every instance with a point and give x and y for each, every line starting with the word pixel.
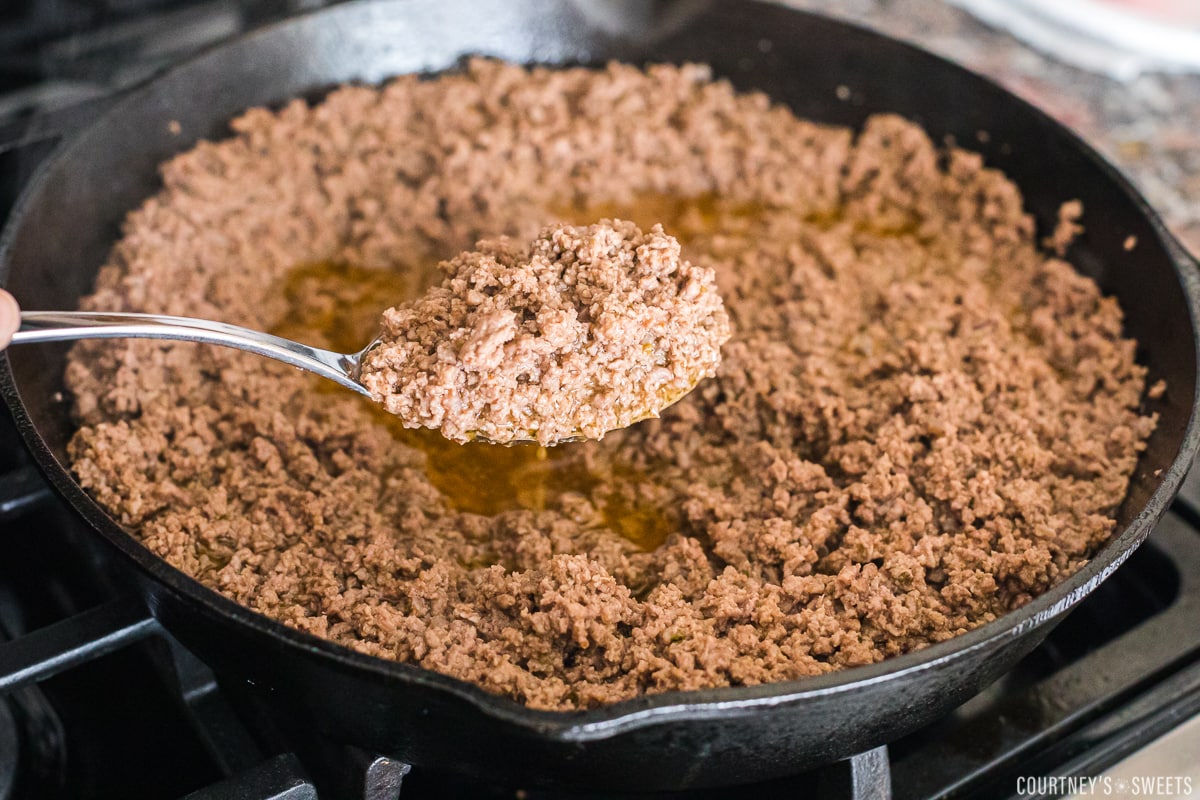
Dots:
pixel 57 326
pixel 342 368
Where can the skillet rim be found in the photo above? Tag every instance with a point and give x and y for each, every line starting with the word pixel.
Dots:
pixel 646 710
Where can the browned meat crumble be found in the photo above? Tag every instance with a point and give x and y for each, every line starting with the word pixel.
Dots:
pixel 583 331
pixel 920 422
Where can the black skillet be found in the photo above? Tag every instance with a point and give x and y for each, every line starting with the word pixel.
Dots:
pixel 824 70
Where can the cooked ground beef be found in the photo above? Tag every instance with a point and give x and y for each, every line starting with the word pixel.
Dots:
pixel 921 421
pixel 583 331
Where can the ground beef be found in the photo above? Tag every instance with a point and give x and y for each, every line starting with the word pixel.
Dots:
pixel 583 331
pixel 920 423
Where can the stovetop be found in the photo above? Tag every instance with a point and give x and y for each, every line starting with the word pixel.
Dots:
pixel 135 715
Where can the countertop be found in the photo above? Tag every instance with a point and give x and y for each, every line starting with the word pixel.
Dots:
pixel 1149 126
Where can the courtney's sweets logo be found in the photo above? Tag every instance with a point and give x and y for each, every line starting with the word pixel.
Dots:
pixel 1165 786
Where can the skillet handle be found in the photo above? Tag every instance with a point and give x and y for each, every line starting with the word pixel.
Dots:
pixel 640 20
pixel 56 125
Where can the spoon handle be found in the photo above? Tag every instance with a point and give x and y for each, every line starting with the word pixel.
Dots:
pixel 57 326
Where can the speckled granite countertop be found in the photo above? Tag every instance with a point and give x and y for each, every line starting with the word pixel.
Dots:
pixel 1149 127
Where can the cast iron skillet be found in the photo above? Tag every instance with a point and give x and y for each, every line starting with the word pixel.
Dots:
pixel 824 70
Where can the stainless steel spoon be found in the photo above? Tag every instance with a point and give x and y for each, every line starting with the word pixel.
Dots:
pixel 56 326
pixel 342 368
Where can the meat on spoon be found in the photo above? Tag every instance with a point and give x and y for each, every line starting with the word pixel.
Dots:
pixel 583 331
pixel 586 330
